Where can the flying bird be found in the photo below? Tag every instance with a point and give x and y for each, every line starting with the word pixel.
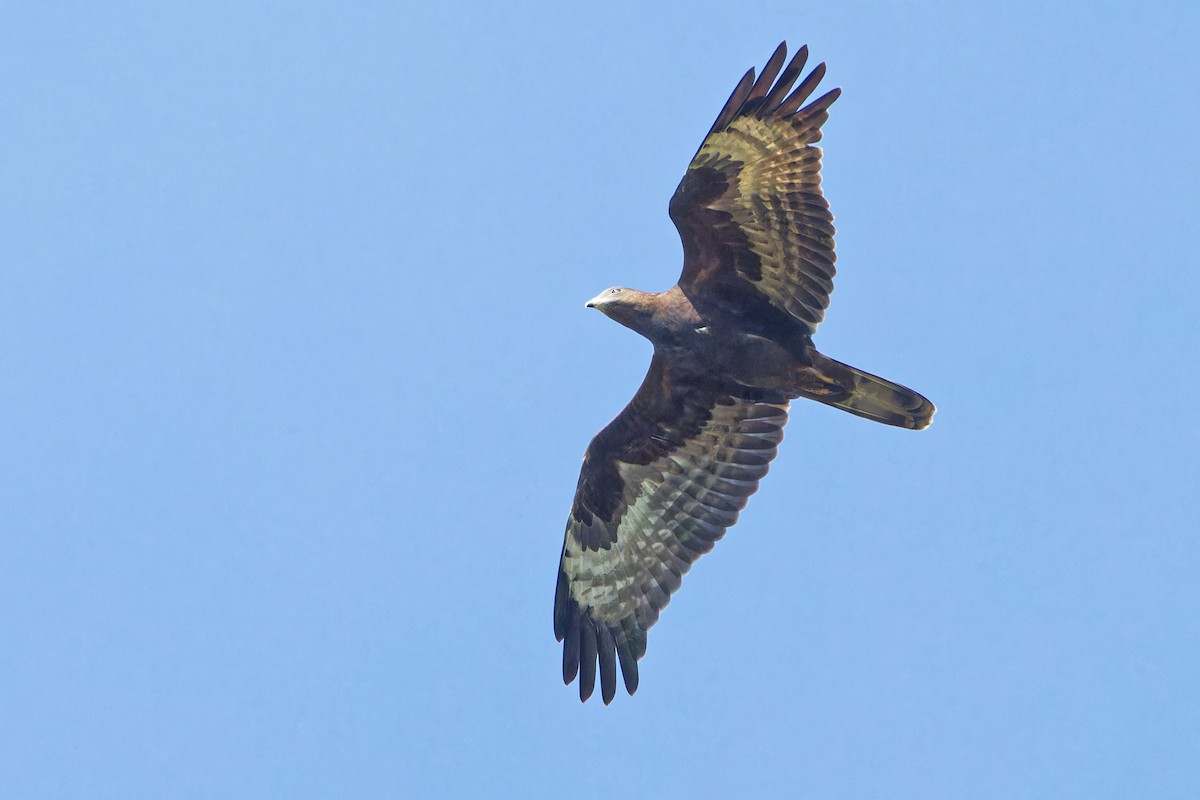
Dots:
pixel 732 346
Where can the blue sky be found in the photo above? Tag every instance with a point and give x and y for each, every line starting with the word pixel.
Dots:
pixel 297 380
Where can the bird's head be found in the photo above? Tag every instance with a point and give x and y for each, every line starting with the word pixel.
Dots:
pixel 631 308
pixel 610 300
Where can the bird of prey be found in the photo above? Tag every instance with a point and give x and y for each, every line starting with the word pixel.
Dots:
pixel 732 346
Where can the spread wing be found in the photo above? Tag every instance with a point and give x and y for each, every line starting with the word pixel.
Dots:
pixel 659 485
pixel 757 232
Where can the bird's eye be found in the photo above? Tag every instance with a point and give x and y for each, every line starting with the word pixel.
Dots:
pixel 614 291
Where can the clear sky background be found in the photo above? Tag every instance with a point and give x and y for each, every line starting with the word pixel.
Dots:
pixel 297 377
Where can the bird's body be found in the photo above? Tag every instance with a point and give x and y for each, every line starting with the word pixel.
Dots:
pixel 732 347
pixel 699 342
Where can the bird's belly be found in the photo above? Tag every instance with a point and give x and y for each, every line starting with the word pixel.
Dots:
pixel 753 360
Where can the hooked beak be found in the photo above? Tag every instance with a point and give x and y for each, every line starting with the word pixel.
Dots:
pixel 598 301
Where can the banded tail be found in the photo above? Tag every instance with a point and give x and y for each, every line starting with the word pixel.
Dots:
pixel 866 395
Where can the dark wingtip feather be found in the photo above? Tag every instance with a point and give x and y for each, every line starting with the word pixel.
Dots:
pixel 629 667
pixel 769 71
pixel 587 659
pixel 734 104
pixel 802 92
pixel 823 102
pixel 586 641
pixel 784 84
pixel 562 605
pixel 767 96
pixel 571 653
pixel 608 665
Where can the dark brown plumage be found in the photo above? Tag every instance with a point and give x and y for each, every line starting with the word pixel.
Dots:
pixel 732 346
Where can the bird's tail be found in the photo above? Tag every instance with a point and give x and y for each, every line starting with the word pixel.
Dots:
pixel 842 386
